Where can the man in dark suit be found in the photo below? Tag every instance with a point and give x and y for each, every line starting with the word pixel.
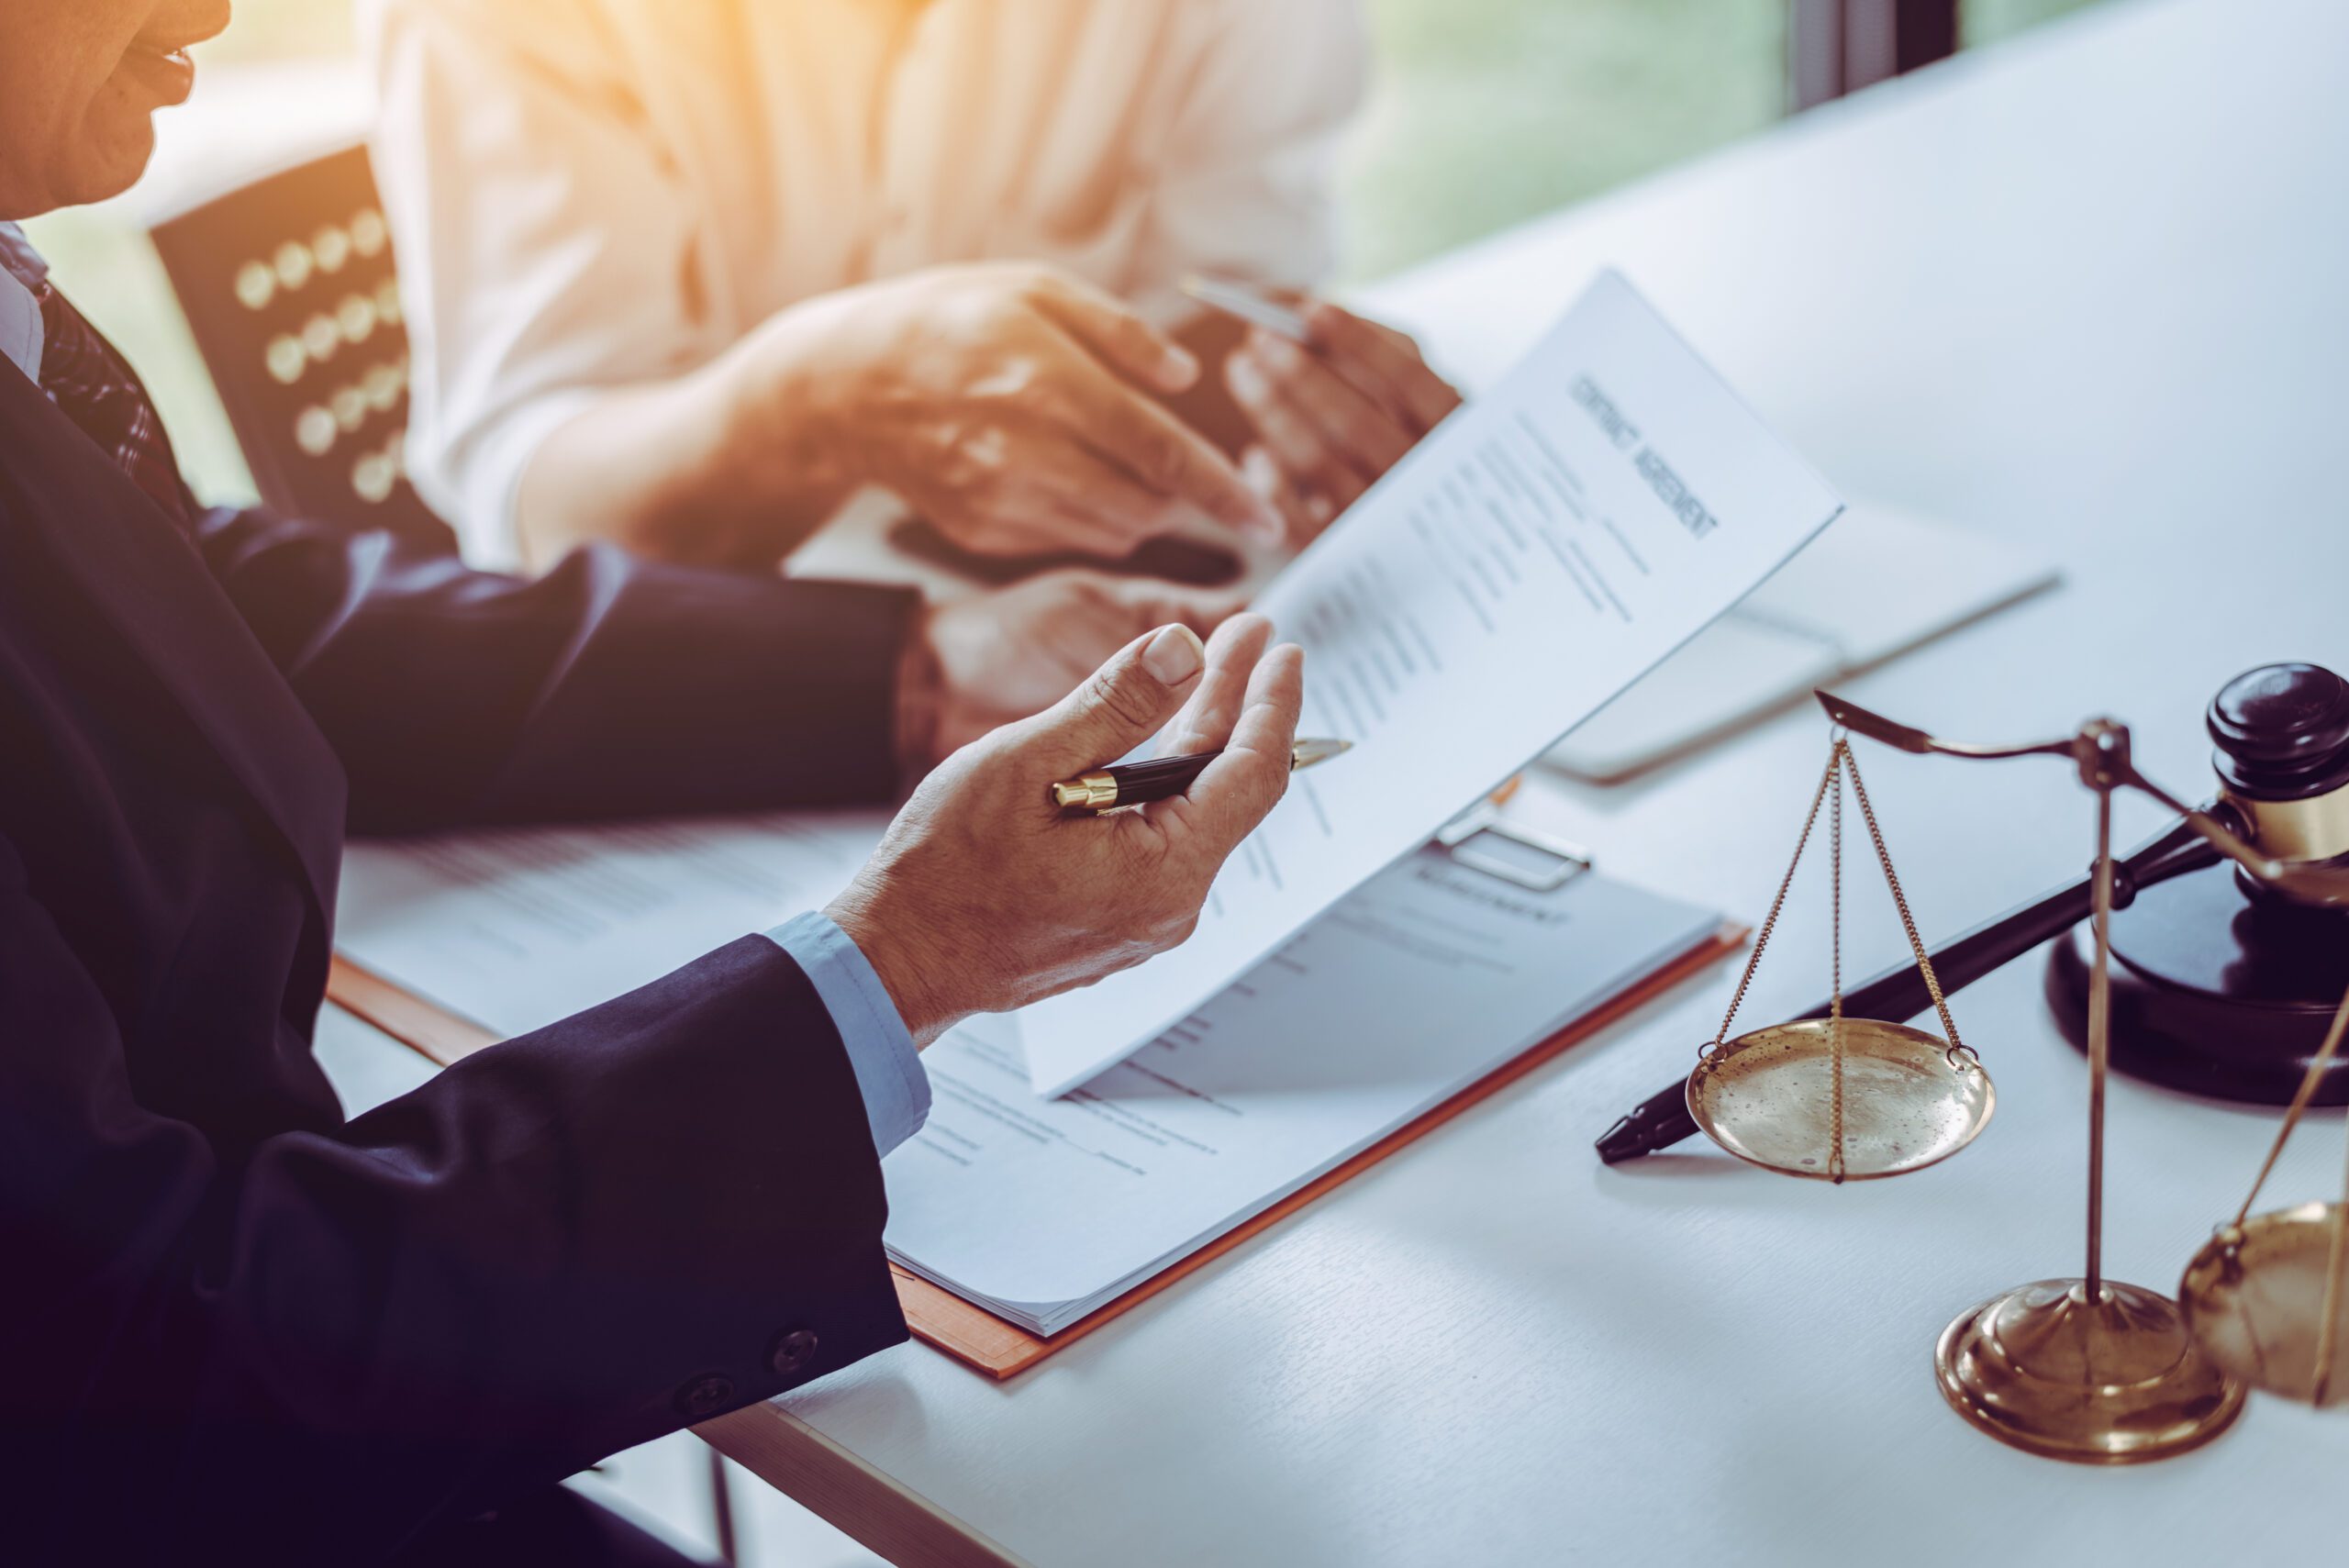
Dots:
pixel 241 1328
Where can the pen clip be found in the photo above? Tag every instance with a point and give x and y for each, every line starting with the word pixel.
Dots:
pixel 1482 839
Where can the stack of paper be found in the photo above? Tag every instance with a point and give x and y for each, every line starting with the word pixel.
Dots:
pixel 1421 982
pixel 1416 985
pixel 516 928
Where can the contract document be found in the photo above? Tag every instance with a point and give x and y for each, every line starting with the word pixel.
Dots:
pixel 517 928
pixel 1539 551
pixel 1420 982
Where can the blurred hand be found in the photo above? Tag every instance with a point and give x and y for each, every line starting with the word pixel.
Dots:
pixel 984 897
pixel 1333 417
pixel 989 659
pixel 1014 408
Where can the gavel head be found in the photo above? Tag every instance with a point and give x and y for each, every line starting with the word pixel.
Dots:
pixel 2282 732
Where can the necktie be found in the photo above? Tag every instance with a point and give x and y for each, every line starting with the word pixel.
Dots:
pixel 91 387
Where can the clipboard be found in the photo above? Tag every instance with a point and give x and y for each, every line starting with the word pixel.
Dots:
pixel 968 1333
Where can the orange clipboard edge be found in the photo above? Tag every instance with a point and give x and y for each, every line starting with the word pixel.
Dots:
pixel 425 1028
pixel 971 1334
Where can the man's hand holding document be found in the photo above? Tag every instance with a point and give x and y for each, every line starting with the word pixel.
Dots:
pixel 1345 984
pixel 1536 554
pixel 1242 704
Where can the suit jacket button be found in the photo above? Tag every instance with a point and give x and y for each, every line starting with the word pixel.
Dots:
pixel 794 1352
pixel 706 1396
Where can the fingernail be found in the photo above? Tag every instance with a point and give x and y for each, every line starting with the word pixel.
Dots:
pixel 1247 381
pixel 1175 654
pixel 1263 474
pixel 1179 368
pixel 1263 519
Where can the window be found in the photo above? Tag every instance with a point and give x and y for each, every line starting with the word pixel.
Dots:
pixel 1489 112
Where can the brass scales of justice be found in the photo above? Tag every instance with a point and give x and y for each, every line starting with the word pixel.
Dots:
pixel 2087 1369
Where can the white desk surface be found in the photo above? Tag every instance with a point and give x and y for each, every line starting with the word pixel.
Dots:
pixel 2086 289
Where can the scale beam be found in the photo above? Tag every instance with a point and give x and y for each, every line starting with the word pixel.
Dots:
pixel 2101 750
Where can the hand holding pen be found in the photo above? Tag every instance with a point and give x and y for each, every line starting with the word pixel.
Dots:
pixel 1166 776
pixel 984 896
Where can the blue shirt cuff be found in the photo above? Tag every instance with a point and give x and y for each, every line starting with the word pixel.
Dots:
pixel 888 1068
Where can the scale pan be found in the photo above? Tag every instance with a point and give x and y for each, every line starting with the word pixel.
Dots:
pixel 1768 1098
pixel 2255 1297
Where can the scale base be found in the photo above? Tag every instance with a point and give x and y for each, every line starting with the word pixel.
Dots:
pixel 2115 1381
pixel 2213 992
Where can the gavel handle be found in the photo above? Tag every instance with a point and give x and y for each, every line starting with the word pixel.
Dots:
pixel 1663 1119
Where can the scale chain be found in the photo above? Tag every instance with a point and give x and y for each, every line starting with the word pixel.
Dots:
pixel 2337 1272
pixel 1835 962
pixel 1770 921
pixel 2336 1279
pixel 1768 1080
pixel 1908 924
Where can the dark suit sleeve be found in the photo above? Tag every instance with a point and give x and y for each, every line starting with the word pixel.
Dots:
pixel 609 687
pixel 305 1347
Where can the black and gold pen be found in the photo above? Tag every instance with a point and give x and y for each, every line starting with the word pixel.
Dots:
pixel 1162 778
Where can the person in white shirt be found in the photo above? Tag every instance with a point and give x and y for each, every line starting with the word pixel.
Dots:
pixel 684 274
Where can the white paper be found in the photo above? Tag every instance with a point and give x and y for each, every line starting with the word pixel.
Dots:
pixel 1420 982
pixel 1539 551
pixel 515 929
pixel 1824 618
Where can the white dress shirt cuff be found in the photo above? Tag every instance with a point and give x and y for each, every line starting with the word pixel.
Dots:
pixel 480 492
pixel 23 332
pixel 888 1068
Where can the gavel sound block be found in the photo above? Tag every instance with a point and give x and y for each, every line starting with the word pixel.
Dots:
pixel 2220 987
